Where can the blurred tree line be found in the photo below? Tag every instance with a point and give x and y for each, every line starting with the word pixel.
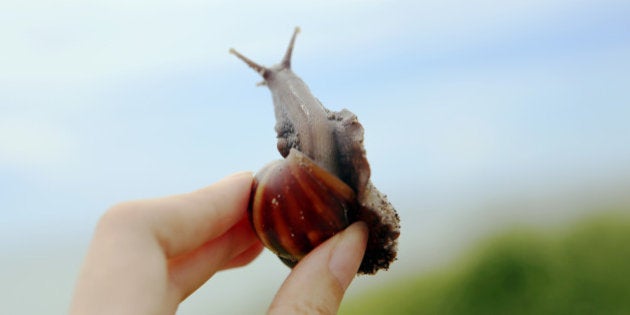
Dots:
pixel 581 270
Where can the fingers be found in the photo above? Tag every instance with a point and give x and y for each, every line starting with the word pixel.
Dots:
pixel 190 271
pixel 135 242
pixel 317 284
pixel 181 223
pixel 245 257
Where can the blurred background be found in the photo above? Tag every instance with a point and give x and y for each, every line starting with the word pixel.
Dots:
pixel 499 130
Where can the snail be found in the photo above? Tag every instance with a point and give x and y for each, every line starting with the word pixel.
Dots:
pixel 323 183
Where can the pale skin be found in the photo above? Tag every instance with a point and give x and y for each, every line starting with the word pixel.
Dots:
pixel 147 256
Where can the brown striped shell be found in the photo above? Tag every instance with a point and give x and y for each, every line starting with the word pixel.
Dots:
pixel 297 205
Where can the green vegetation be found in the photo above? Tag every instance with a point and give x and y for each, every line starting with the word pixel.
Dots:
pixel 584 270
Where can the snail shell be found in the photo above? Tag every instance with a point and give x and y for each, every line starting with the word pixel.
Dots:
pixel 324 178
pixel 297 205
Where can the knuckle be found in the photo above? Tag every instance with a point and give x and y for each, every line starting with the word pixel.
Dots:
pixel 120 215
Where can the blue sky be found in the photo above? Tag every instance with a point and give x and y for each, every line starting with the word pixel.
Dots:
pixel 462 102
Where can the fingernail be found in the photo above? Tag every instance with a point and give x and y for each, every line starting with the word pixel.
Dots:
pixel 348 253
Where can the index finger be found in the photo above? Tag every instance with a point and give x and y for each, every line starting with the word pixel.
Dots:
pixel 184 222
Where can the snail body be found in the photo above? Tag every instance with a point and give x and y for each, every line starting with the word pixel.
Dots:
pixel 323 183
pixel 301 120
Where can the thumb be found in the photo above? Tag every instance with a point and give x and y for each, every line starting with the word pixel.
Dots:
pixel 317 284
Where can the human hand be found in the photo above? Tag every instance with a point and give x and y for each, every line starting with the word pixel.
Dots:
pixel 147 256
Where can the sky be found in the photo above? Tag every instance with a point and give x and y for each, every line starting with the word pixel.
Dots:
pixel 465 104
